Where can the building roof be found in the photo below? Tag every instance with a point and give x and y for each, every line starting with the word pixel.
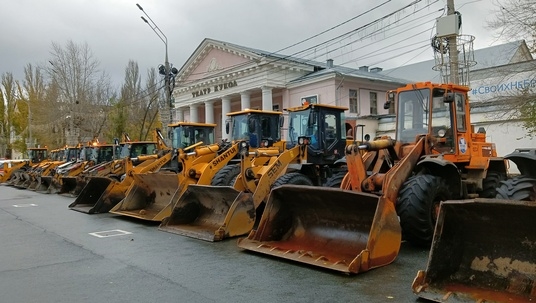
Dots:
pixel 320 68
pixel 492 56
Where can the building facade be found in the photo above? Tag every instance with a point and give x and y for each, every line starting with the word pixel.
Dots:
pixel 220 78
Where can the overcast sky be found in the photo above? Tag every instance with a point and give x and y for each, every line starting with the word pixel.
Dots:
pixel 116 34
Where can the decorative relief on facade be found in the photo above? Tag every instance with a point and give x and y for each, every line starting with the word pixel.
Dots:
pixel 213 65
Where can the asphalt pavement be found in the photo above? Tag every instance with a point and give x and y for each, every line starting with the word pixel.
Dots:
pixel 50 253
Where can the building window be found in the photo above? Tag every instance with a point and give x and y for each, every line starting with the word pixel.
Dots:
pixel 353 101
pixel 373 103
pixel 275 107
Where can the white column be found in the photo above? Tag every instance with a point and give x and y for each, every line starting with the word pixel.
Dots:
pixel 245 100
pixel 266 98
pixel 193 113
pixel 179 113
pixel 225 108
pixel 209 111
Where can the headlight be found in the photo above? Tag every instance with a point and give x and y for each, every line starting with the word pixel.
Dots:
pixel 441 133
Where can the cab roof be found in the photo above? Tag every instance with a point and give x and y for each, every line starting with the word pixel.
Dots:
pixel 255 111
pixel 313 105
pixel 176 124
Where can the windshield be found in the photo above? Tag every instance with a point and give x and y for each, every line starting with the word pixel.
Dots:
pixel 240 128
pixel 413 114
pixel 141 149
pixel 72 154
pixel 37 155
pixel 105 153
pixel 299 125
pixel 184 136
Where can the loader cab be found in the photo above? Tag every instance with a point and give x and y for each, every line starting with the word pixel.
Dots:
pixel 258 128
pixel 184 134
pixel 136 149
pixel 71 153
pixel 86 153
pixel 439 111
pixel 324 125
pixel 104 153
pixel 37 155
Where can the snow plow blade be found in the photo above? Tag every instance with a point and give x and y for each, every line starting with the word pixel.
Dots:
pixel 211 213
pixel 149 196
pixel 337 229
pixel 99 196
pixel 483 251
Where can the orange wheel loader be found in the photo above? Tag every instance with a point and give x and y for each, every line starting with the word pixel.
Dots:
pixel 391 192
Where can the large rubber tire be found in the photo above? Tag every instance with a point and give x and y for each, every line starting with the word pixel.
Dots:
pixel 490 183
pixel 226 175
pixel 294 179
pixel 522 188
pixel 335 180
pixel 418 206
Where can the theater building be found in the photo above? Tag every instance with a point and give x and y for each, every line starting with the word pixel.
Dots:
pixel 221 77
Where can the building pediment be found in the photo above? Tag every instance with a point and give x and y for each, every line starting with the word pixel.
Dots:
pixel 215 59
pixel 212 58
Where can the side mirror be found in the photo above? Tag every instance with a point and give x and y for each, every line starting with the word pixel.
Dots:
pixel 281 121
pixel 448 98
pixel 227 126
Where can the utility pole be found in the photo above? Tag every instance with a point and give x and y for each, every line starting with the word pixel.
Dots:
pixel 168 73
pixel 453 48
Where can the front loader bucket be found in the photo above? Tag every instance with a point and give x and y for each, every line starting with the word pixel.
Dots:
pixel 44 184
pixel 332 228
pixel 55 185
pixel 25 181
pixel 211 213
pixel 68 185
pixel 149 196
pixel 98 196
pixel 483 250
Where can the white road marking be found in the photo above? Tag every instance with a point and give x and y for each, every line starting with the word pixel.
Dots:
pixel 110 233
pixel 24 205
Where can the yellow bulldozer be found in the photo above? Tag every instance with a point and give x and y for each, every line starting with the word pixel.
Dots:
pixel 14 171
pixel 391 192
pixel 101 193
pixel 32 174
pixel 153 195
pixel 107 166
pixel 99 155
pixel 317 141
pixel 65 158
pixel 84 160
pixel 484 250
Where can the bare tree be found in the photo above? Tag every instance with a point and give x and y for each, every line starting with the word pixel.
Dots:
pixel 136 110
pixel 83 91
pixel 30 99
pixel 514 20
pixel 7 113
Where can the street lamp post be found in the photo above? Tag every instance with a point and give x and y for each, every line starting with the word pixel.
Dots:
pixel 165 70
